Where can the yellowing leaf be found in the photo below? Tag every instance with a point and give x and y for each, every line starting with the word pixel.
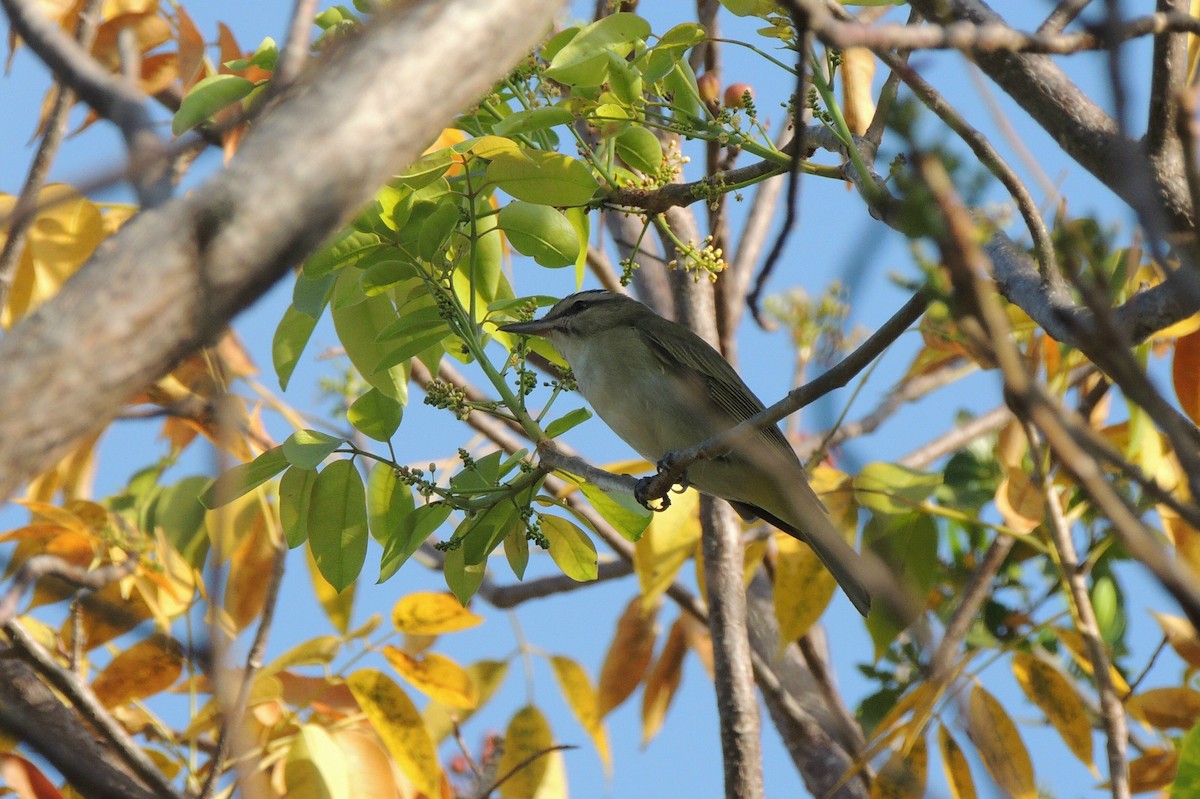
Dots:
pixel 954 763
pixel 803 587
pixel 581 698
pixel 663 680
pixel 1019 501
pixel 571 549
pixel 1182 637
pixel 858 105
pixel 1185 372
pixel 904 773
pixel 628 656
pixel 143 670
pixel 1053 693
pixel 432 613
pixel 666 544
pixel 436 676
pixel 1074 643
pixel 1153 771
pixel 528 736
pixel 1166 708
pixel 400 727
pixel 315 767
pixel 338 606
pixel 486 676
pixel 1000 745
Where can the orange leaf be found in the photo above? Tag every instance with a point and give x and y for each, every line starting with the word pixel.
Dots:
pixel 858 70
pixel 628 656
pixel 1000 745
pixel 368 761
pixel 1153 771
pixel 1185 374
pixel 432 613
pixel 1166 708
pixel 1053 693
pixel 25 779
pixel 528 736
pixel 191 48
pixel 149 31
pixel 663 681
pixel 486 675
pixel 246 589
pixel 143 670
pixel 954 763
pixel 436 676
pixel 1182 637
pixel 581 698
pixel 1019 501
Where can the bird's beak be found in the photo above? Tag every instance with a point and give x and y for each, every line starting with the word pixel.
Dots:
pixel 536 327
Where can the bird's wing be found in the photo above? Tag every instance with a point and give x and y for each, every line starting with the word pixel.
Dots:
pixel 721 381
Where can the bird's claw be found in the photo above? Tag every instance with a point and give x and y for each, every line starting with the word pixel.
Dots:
pixel 641 494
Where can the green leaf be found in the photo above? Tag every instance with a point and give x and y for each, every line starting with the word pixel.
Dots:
pixel 307 448
pixel 640 148
pixel 436 230
pixel 412 322
pixel 622 511
pixel 750 8
pixel 908 545
pixel 583 61
pixel 344 250
pixel 358 325
pixel 543 178
pixel 244 478
pixel 410 349
pixel 532 120
pixel 414 529
pixel 426 170
pixel 310 295
pixel 680 83
pixel 179 513
pixel 462 580
pixel 516 550
pixel 624 80
pixel 209 96
pixel 570 548
pixel 291 337
pixel 337 524
pixel 1187 777
pixel 384 269
pixel 295 491
pixel 893 489
pixel 376 415
pixel 564 423
pixel 540 232
pixel 389 503
pixel 657 62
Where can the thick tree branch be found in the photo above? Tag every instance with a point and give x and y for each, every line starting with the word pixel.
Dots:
pixel 180 272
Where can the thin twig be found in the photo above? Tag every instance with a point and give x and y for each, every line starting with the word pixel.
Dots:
pixel 506 776
pixel 295 50
pixel 40 566
pixel 978 588
pixel 1062 15
pixel 956 439
pixel 93 712
pixel 509 596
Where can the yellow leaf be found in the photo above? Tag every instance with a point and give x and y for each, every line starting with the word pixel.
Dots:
pixel 338 606
pixel 486 676
pixel 1019 501
pixel 581 698
pixel 904 773
pixel 663 680
pixel 367 760
pixel 432 613
pixel 315 767
pixel 628 655
pixel 554 783
pixel 954 763
pixel 1185 374
pixel 436 676
pixel 1000 745
pixel 400 727
pixel 1054 695
pixel 524 757
pixel 143 670
pixel 699 640
pixel 252 560
pixel 668 542
pixel 1166 708
pixel 1153 771
pixel 1182 637
pixel 858 105
pixel 803 587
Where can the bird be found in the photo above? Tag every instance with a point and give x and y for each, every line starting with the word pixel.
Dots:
pixel 661 388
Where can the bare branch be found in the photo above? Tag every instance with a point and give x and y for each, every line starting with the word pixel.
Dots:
pixel 40 566
pixel 1062 15
pixel 295 50
pixel 978 588
pixel 509 596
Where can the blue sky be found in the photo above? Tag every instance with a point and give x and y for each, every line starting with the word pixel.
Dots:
pixel 835 239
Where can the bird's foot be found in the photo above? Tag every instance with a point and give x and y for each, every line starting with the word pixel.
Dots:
pixel 641 492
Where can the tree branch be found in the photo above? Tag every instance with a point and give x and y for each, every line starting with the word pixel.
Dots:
pixel 180 272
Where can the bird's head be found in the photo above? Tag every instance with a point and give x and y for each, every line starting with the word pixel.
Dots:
pixel 583 315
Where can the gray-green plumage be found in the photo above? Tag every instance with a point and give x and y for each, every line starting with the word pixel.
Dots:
pixel 662 388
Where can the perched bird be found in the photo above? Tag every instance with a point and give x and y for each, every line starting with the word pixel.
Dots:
pixel 662 388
